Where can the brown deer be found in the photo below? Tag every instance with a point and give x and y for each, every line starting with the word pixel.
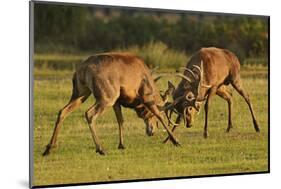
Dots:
pixel 207 73
pixel 114 79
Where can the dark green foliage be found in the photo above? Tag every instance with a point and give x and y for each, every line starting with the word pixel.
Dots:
pixel 65 28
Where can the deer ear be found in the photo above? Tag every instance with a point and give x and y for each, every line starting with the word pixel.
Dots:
pixel 168 92
pixel 171 87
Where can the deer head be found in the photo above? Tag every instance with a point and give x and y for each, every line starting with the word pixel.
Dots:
pixel 186 96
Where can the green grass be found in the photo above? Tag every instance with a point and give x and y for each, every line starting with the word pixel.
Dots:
pixel 75 160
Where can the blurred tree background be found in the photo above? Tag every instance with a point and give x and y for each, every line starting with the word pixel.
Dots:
pixel 77 29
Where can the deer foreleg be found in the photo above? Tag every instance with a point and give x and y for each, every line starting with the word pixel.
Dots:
pixel 206 107
pixel 153 108
pixel 119 116
pixel 178 120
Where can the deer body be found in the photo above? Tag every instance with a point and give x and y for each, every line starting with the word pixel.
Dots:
pixel 118 77
pixel 115 80
pixel 207 73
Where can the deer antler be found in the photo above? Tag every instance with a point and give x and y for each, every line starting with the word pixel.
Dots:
pixel 183 77
pixel 157 78
pixel 189 71
pixel 154 69
pixel 202 76
pixel 198 68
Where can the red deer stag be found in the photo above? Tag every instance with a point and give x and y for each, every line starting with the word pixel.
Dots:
pixel 207 73
pixel 115 79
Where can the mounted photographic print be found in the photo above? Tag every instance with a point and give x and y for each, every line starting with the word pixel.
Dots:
pixel 121 94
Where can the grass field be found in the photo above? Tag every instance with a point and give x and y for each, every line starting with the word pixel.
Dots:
pixel 75 159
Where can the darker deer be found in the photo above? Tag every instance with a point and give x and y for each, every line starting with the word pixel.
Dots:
pixel 115 80
pixel 207 73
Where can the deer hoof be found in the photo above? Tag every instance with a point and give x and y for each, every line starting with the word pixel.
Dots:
pixel 100 151
pixel 176 143
pixel 47 151
pixel 205 134
pixel 228 129
pixel 121 147
pixel 256 127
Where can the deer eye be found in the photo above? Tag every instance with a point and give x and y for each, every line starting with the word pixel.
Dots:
pixel 189 96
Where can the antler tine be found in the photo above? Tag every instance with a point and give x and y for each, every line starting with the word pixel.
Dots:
pixel 168 106
pixel 170 121
pixel 197 67
pixel 157 78
pixel 206 86
pixel 202 77
pixel 201 72
pixel 189 71
pixel 183 77
pixel 154 69
pixel 160 76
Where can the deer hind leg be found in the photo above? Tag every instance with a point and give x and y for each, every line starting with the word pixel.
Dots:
pixel 237 84
pixel 226 95
pixel 153 108
pixel 91 115
pixel 120 120
pixel 75 101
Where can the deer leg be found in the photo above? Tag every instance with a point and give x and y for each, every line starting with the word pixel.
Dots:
pixel 119 116
pixel 153 108
pixel 178 120
pixel 91 115
pixel 239 88
pixel 206 107
pixel 74 103
pixel 223 93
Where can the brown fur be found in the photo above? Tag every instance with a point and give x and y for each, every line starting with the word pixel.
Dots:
pixel 220 68
pixel 115 80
